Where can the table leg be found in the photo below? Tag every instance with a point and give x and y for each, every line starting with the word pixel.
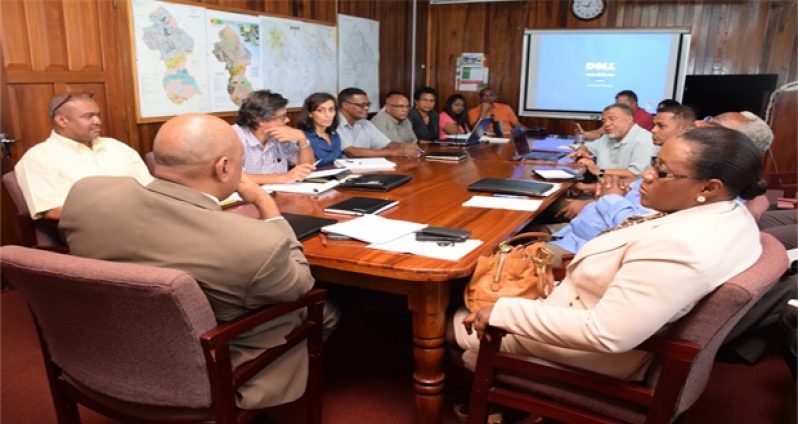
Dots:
pixel 428 302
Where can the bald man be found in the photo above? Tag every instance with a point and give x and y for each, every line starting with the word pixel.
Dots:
pixel 176 222
pixel 74 150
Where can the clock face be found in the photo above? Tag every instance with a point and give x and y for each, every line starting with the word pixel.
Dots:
pixel 587 9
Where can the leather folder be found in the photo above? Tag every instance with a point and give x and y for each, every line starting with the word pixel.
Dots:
pixel 374 182
pixel 511 186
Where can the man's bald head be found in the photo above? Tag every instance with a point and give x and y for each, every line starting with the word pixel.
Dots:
pixel 193 149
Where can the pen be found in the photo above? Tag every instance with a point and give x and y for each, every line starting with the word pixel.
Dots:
pixel 323 238
pixel 317 162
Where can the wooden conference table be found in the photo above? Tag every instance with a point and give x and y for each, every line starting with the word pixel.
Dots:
pixel 434 196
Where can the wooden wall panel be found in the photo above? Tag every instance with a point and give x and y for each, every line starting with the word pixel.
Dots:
pixel 16 52
pixel 729 37
pixel 48 43
pixel 83 35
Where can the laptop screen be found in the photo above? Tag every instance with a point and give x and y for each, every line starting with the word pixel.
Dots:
pixel 479 130
pixel 519 139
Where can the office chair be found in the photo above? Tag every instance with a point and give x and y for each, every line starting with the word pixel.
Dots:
pixel 41 233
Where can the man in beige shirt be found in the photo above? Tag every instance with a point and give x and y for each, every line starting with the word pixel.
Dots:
pixel 393 120
pixel 73 151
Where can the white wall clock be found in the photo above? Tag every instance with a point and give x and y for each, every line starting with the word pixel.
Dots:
pixel 587 9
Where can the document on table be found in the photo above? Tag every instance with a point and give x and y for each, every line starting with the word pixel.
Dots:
pixel 374 229
pixel 513 204
pixel 365 164
pixel 495 140
pixel 302 188
pixel 555 174
pixel 409 244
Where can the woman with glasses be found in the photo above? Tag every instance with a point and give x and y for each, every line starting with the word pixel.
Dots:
pixel 318 120
pixel 423 116
pixel 271 147
pixel 453 119
pixel 628 283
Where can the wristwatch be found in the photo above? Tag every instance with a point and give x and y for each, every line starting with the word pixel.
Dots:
pixel 601 173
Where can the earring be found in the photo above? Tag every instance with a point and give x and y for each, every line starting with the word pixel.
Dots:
pixel 701 199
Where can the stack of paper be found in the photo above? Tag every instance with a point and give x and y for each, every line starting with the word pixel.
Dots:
pixel 303 188
pixel 365 164
pixel 409 244
pixel 374 229
pixel 513 204
pixel 555 174
pixel 494 140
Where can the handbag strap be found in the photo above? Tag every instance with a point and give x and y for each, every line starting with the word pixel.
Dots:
pixel 538 235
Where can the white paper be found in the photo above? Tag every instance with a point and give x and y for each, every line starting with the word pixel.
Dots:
pixel 365 164
pixel 495 140
pixel 374 229
pixel 555 174
pixel 552 190
pixel 409 244
pixel 302 188
pixel 792 255
pixel 235 197
pixel 529 205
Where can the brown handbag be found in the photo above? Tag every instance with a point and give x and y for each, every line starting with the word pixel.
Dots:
pixel 514 270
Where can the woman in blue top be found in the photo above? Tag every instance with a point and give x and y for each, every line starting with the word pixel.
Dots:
pixel 319 119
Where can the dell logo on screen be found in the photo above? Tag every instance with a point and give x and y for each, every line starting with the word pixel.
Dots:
pixel 600 66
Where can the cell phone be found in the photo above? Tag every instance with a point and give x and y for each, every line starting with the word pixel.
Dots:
pixel 430 237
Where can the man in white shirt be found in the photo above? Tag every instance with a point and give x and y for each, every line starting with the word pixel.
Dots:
pixel 359 137
pixel 73 151
pixel 625 149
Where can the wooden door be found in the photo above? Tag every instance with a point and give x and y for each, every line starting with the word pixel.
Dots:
pixel 51 46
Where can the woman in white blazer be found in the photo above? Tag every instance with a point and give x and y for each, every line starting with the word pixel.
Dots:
pixel 626 285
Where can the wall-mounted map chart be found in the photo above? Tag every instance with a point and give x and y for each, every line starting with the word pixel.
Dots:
pixel 359 56
pixel 234 63
pixel 171 60
pixel 299 58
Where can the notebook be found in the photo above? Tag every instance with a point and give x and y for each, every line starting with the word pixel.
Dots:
pixel 361 206
pixel 306 226
pixel 446 156
pixel 473 139
pixel 510 186
pixel 327 175
pixel 375 182
pixel 524 153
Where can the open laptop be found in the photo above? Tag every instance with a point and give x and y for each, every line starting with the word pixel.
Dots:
pixel 473 139
pixel 523 151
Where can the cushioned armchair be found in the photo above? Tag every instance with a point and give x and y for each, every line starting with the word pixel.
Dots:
pixel 139 343
pixel 41 233
pixel 683 360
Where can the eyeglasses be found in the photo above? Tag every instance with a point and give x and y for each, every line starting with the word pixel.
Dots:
pixel 399 106
pixel 280 118
pixel 365 105
pixel 663 174
pixel 66 100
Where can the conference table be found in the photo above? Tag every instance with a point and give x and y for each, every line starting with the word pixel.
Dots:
pixel 434 196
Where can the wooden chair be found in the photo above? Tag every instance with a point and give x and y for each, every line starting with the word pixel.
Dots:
pixel 684 358
pixel 141 344
pixel 41 233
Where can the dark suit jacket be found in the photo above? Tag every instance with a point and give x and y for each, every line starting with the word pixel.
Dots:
pixel 241 263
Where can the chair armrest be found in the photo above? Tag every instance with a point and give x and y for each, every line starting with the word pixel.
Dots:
pixel 224 333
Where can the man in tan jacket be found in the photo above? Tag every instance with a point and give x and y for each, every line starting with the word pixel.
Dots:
pixel 176 222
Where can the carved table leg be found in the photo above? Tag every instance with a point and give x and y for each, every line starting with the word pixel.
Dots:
pixel 428 301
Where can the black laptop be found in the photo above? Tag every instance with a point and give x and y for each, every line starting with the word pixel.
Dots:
pixel 473 139
pixel 306 226
pixel 524 153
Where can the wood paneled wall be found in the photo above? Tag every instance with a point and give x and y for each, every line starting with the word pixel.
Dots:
pixel 729 37
pixel 395 17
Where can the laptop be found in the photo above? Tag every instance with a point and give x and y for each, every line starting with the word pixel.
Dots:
pixel 306 226
pixel 479 130
pixel 524 153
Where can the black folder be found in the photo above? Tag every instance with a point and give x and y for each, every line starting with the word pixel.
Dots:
pixel 510 186
pixel 306 226
pixel 361 206
pixel 374 182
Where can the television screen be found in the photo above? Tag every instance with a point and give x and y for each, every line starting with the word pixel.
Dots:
pixel 576 73
pixel 711 95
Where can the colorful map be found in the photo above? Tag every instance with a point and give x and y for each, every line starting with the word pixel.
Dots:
pixel 235 62
pixel 171 63
pixel 174 46
pixel 299 58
